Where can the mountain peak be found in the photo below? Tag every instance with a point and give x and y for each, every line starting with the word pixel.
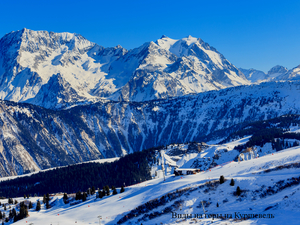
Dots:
pixel 277 69
pixel 164 36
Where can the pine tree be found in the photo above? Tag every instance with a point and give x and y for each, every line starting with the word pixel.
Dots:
pixel 47 197
pixel 217 204
pixel 30 205
pixel 93 190
pixel 107 190
pixel 222 179
pixel 44 199
pixel 100 193
pixel 232 182
pixel 115 191
pixel 122 189
pixel 16 202
pixel 84 197
pixel 47 205
pixel 14 212
pixel 47 201
pixel 10 215
pixel 78 195
pixel 65 198
pixel 38 206
pixel 24 196
pixel 238 191
pixel 4 207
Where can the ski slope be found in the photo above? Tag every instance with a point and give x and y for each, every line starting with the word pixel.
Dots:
pixel 257 197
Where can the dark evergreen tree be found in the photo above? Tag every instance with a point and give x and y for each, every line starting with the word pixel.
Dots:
pixel 217 204
pixel 44 199
pixel 65 198
pixel 47 205
pixel 14 213
pixel 122 189
pixel 78 195
pixel 10 201
pixel 100 193
pixel 4 207
pixel 222 179
pixel 23 211
pixel 84 197
pixel 24 196
pixel 107 191
pixel 38 206
pixel 16 202
pixel 47 197
pixel 93 190
pixel 10 215
pixel 115 191
pixel 232 182
pixel 30 206
pixel 47 201
pixel 238 191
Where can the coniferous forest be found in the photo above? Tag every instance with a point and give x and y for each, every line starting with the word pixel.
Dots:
pixel 128 170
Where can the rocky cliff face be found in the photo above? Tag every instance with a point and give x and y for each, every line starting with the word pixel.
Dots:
pixel 34 138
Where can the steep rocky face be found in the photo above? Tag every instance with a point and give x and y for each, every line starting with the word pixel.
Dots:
pixel 34 138
pixel 161 69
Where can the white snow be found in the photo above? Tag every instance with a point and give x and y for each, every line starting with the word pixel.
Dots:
pixel 248 175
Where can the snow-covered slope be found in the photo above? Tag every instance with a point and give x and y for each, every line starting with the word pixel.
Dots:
pixel 30 61
pixel 112 129
pixel 270 192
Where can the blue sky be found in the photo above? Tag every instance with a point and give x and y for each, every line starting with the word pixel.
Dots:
pixel 250 34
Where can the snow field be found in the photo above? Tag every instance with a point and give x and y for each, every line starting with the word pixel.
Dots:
pixel 248 175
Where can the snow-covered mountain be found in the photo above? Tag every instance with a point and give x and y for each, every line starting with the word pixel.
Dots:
pixel 109 129
pixel 276 73
pixel 254 75
pixel 171 68
pixel 30 61
pixel 293 74
pixel 257 76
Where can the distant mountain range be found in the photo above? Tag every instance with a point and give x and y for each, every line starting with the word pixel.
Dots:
pixel 57 69
pixel 86 102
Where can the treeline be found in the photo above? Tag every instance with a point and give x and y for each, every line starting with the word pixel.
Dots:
pixel 272 126
pixel 128 170
pixel 276 136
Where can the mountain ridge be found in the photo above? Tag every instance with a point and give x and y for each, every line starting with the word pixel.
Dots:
pixel 161 69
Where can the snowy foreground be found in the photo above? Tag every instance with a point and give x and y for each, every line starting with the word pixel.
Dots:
pixel 270 195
